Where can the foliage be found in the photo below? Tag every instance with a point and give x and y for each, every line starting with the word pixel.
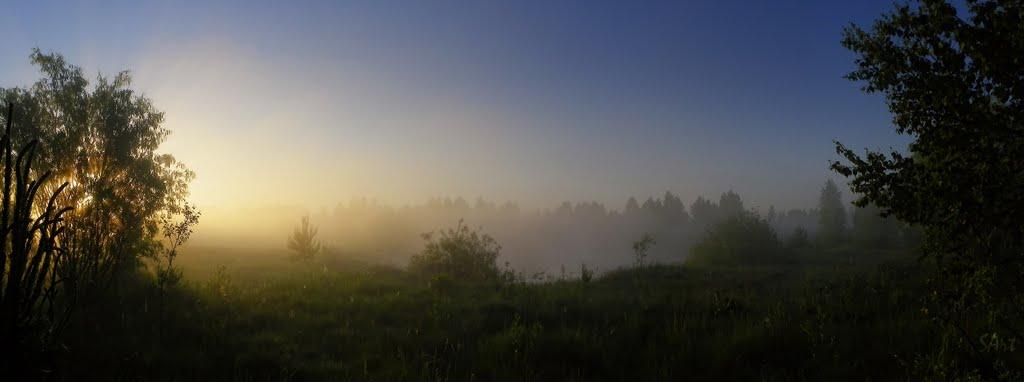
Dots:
pixel 303 242
pixel 953 84
pixel 687 324
pixel 101 139
pixel 176 232
pixel 673 209
pixel 33 299
pixel 461 253
pixel 100 157
pixel 832 221
pixel 744 239
pixel 640 248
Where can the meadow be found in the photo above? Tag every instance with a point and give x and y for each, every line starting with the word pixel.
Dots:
pixel 266 318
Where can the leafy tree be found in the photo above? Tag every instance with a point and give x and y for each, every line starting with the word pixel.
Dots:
pixel 953 84
pixel 101 138
pixel 176 231
pixel 832 221
pixel 303 242
pixel 460 253
pixel 743 239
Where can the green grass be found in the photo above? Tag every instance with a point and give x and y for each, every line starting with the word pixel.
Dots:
pixel 267 319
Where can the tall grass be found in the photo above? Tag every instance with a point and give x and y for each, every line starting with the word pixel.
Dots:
pixel 309 322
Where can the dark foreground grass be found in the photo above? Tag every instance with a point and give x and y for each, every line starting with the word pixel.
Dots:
pixel 307 322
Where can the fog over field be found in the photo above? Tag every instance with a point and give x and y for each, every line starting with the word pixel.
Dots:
pixel 528 190
pixel 533 240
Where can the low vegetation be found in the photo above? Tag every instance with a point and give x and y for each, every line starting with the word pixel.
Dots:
pixel 263 318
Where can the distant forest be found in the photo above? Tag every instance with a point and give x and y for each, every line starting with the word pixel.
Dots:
pixel 591 233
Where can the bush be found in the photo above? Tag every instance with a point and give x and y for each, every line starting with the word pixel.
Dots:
pixel 744 239
pixel 460 253
pixel 586 274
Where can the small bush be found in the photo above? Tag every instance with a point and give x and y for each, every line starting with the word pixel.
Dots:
pixel 640 249
pixel 586 274
pixel 460 253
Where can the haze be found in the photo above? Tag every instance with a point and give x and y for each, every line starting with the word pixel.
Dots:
pixel 534 190
pixel 283 110
pixel 533 102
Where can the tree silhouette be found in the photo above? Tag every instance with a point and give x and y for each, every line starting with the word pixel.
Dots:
pixel 704 211
pixel 176 231
pixel 632 206
pixel 102 138
pixel 303 242
pixel 832 221
pixel 36 278
pixel 674 209
pixel 953 84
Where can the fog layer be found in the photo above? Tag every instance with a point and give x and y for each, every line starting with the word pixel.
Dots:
pixel 566 235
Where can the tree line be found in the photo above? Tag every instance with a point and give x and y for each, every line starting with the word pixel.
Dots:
pixel 591 233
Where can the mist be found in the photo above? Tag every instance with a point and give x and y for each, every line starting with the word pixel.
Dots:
pixel 525 190
pixel 550 240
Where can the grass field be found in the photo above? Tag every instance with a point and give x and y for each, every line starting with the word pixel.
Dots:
pixel 268 319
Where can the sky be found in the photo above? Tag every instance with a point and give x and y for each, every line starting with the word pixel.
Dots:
pixel 313 103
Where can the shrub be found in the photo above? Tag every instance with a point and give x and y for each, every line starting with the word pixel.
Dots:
pixel 586 274
pixel 640 248
pixel 303 242
pixel 742 239
pixel 461 253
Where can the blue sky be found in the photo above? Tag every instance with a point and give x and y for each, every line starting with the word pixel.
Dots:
pixel 537 101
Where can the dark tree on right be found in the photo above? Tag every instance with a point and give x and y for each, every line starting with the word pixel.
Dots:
pixel 955 84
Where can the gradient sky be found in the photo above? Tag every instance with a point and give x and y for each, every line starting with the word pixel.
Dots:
pixel 312 103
